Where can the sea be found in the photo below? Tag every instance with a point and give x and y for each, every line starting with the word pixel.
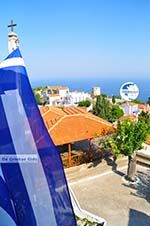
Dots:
pixel 108 86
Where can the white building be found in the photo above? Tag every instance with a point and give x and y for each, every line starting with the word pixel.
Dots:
pixel 130 108
pixel 75 97
pixel 59 96
pixel 54 100
pixel 96 91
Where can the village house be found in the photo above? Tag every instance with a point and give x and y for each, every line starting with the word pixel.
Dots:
pixel 62 96
pixel 131 108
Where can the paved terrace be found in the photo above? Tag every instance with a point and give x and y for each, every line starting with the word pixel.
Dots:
pixel 103 192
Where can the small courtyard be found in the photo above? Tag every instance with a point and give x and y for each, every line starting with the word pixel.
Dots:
pixel 102 191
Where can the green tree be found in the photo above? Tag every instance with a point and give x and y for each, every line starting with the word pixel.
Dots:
pixel 102 107
pixel 137 101
pixel 104 95
pixel 84 103
pixel 116 113
pixel 37 88
pixel 38 98
pixel 113 99
pixel 148 101
pixel 127 139
pixel 144 117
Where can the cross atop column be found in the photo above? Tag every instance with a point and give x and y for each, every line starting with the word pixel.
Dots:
pixel 12 25
pixel 13 41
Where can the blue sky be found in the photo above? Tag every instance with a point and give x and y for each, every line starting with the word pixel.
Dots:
pixel 63 39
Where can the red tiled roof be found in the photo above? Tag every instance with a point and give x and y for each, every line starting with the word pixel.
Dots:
pixel 143 107
pixel 58 87
pixel 70 124
pixel 54 95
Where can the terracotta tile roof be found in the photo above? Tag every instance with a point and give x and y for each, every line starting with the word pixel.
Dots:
pixel 64 88
pixel 58 87
pixel 44 109
pixel 70 124
pixel 54 95
pixel 143 107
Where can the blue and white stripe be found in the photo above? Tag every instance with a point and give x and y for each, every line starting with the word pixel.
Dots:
pixel 7 213
pixel 39 192
pixel 12 62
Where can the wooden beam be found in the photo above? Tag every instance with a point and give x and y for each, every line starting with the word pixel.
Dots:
pixel 69 155
pixel 90 150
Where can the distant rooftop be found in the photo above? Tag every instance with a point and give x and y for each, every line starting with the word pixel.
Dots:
pixel 58 87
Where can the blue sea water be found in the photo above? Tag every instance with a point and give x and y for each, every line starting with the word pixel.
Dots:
pixel 108 86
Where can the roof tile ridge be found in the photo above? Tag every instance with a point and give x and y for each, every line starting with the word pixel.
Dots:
pixel 55 124
pixel 56 112
pixel 45 112
pixel 99 119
